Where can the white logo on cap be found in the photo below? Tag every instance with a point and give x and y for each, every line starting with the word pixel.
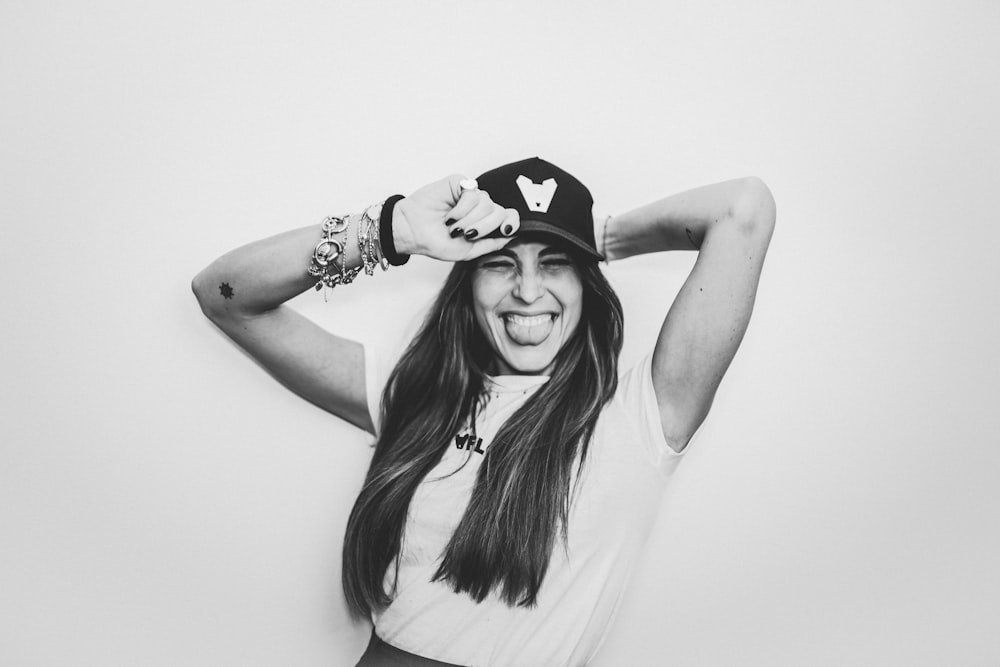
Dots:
pixel 537 196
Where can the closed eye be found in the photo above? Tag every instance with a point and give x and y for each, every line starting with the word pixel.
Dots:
pixel 497 264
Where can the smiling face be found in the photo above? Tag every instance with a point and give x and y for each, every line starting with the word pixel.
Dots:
pixel 528 299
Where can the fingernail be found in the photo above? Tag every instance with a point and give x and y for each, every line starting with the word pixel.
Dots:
pixel 456 232
pixel 449 222
pixel 471 234
pixel 507 230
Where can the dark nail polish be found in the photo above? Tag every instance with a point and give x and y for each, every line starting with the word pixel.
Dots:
pixel 449 222
pixel 471 234
pixel 456 232
pixel 507 230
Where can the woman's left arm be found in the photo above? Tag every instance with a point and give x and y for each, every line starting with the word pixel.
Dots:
pixel 730 225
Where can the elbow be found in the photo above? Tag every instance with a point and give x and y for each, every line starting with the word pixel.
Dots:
pixel 200 288
pixel 754 210
pixel 210 291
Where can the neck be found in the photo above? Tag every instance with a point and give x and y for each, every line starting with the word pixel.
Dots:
pixel 501 367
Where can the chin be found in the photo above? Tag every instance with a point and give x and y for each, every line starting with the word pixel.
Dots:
pixel 525 363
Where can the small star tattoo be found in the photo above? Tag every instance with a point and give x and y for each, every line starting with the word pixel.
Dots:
pixel 226 291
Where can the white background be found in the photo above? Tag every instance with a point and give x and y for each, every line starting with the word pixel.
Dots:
pixel 164 502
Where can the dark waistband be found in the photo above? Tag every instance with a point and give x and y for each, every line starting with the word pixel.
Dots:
pixel 380 654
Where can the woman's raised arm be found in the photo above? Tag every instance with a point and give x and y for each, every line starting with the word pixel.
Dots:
pixel 730 225
pixel 243 291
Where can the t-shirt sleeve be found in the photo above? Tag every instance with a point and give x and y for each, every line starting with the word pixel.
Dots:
pixel 635 389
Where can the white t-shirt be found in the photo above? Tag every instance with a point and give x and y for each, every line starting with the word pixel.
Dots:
pixel 626 470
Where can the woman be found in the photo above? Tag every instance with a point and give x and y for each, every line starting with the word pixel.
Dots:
pixel 515 475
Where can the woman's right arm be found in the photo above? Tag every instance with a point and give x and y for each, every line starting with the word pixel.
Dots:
pixel 243 292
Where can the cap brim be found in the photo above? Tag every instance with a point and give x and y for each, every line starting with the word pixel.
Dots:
pixel 547 228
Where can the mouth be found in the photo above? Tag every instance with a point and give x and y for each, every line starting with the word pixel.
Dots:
pixel 526 329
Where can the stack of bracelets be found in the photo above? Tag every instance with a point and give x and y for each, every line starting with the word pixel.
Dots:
pixel 329 258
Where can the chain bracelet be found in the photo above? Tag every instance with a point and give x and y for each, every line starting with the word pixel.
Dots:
pixel 329 257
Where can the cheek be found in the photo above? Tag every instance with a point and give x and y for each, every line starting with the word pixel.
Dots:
pixel 486 294
pixel 572 300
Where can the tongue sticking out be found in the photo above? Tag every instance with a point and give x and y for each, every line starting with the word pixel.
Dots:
pixel 528 330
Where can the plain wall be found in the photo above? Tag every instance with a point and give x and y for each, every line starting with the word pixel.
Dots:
pixel 164 502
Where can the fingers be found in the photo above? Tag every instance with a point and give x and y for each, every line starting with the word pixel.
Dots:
pixel 467 201
pixel 484 227
pixel 476 215
pixel 511 222
pixel 504 222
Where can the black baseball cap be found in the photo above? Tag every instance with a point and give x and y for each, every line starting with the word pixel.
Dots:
pixel 548 200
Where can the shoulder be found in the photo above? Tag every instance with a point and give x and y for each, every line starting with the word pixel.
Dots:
pixel 633 416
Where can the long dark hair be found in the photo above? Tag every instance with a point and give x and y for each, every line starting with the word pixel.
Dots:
pixel 505 539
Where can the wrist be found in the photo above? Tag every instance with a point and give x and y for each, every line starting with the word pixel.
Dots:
pixel 601 224
pixel 402 234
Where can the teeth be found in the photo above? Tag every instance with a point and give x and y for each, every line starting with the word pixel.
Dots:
pixel 531 321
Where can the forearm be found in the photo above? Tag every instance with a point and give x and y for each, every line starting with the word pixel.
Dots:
pixel 257 278
pixel 260 276
pixel 684 220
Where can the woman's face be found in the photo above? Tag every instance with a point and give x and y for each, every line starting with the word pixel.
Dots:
pixel 528 299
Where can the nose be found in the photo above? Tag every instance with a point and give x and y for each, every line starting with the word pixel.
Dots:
pixel 529 287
